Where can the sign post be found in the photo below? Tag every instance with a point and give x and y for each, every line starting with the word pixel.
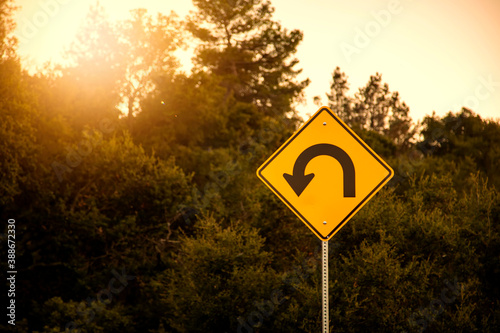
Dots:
pixel 325 173
pixel 324 278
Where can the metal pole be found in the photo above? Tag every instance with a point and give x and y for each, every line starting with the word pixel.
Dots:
pixel 325 288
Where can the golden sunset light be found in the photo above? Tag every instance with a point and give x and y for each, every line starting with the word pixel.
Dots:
pixel 46 29
pixel 250 166
pixel 444 50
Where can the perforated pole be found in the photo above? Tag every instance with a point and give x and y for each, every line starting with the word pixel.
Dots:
pixel 325 288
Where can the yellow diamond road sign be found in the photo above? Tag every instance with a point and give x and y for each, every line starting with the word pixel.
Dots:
pixel 325 173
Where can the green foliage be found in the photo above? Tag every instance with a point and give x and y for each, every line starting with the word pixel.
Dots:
pixel 97 317
pixel 17 131
pixel 466 140
pixel 119 64
pixel 250 52
pixel 217 276
pixel 115 195
pixel 169 193
pixel 147 47
pixel 373 108
pixel 90 85
pixel 7 41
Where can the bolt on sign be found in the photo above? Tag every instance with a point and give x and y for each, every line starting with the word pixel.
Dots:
pixel 325 173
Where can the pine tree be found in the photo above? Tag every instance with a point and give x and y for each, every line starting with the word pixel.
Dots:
pixel 338 101
pixel 253 54
pixel 373 108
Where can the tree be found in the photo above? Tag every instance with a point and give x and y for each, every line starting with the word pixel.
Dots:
pixel 181 236
pixel 147 46
pixel 373 108
pixel 7 41
pixel 89 87
pixel 117 64
pixel 465 140
pixel 243 84
pixel 338 101
pixel 119 207
pixel 252 53
pixel 18 116
pixel 218 277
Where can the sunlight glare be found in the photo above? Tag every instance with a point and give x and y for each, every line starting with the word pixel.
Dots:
pixel 46 29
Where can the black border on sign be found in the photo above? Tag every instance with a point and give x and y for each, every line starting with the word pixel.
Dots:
pixel 364 145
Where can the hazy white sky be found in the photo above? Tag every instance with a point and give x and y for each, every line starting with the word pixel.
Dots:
pixel 439 55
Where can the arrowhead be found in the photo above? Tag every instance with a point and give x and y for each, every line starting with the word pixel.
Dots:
pixel 298 183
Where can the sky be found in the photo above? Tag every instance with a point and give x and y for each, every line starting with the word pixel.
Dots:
pixel 439 55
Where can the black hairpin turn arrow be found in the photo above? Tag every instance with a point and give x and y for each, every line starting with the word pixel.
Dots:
pixel 298 181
